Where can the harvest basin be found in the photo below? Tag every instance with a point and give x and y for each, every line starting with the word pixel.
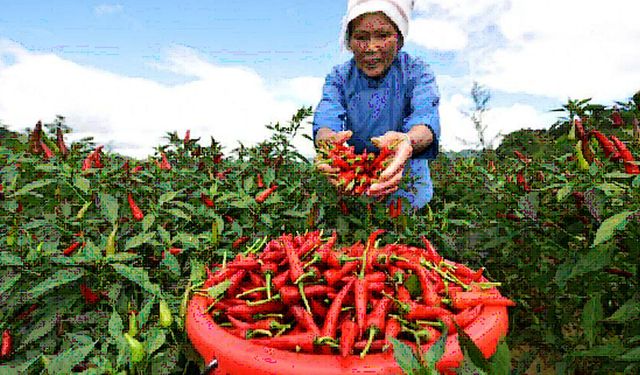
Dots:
pixel 239 357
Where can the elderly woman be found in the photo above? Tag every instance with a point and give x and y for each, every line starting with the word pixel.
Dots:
pixel 382 96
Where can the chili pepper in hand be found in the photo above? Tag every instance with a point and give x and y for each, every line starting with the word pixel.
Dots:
pixel 260 198
pixel 7 344
pixel 135 211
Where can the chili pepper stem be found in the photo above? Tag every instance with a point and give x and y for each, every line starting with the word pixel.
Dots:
pixel 304 297
pixel 372 334
pixel 268 282
pixel 253 332
pixel 258 289
pixel 262 302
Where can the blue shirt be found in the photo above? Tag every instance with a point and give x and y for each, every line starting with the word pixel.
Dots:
pixel 406 96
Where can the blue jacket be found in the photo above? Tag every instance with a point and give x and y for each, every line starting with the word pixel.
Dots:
pixel 406 96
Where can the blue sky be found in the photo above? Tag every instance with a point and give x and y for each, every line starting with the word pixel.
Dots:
pixel 128 71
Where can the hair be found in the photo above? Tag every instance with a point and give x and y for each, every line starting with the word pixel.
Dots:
pixel 400 37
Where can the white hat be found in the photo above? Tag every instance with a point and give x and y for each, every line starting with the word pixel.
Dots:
pixel 399 11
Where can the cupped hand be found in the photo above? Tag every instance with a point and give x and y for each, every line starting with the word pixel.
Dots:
pixel 325 136
pixel 392 175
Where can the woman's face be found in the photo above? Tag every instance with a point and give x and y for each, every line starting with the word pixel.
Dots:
pixel 374 42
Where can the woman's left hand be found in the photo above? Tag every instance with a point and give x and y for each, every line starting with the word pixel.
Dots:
pixel 391 176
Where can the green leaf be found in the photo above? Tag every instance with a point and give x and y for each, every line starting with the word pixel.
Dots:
pixel 164 235
pixel 631 355
pixel 171 263
pixel 591 314
pixel 109 206
pixel 32 186
pixel 9 259
pixel 436 351
pixel 116 327
pixel 413 285
pixel 294 213
pixel 63 363
pixel 404 356
pixel 82 183
pixel 629 311
pixel 143 316
pixel 179 213
pixel 39 329
pixel 609 226
pixel 468 367
pixel 138 240
pixel 154 339
pixel 91 252
pixel 618 174
pixel 217 290
pixel 594 260
pixel 564 192
pixel 500 363
pixel 471 350
pixel 167 197
pixel 59 278
pixel 198 272
pixel 8 280
pixel 138 276
pixel 147 221
pixel 610 350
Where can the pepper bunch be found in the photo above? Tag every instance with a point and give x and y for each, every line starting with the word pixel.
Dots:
pixel 304 293
pixel 357 172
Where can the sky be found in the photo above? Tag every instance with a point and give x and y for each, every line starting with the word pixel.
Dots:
pixel 128 72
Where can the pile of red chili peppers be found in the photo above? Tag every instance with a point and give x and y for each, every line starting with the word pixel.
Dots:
pixel 357 171
pixel 304 293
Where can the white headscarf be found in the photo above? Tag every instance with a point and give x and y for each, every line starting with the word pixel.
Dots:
pixel 399 11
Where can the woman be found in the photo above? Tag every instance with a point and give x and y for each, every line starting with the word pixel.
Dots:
pixel 382 96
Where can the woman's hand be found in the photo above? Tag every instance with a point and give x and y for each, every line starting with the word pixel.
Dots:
pixel 326 135
pixel 391 176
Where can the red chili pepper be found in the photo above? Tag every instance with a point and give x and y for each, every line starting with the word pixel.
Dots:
pixel 349 332
pixel 430 251
pixel 236 281
pixel 260 198
pixel 247 312
pixel 187 136
pixel 619 272
pixel 295 265
pixel 47 151
pixel 522 158
pixel 418 311
pixel 25 314
pixel 607 146
pixel 616 118
pixel 332 276
pixel 376 321
pixel 280 280
pixel 135 211
pixel 60 142
pixel 260 182
pixel 137 169
pixel 626 156
pixel 70 250
pixel 165 165
pixel 173 251
pixel 343 207
pixel 7 344
pixel 361 295
pixel 466 316
pixel 304 318
pixel 580 135
pixel 240 241
pixel 89 296
pixel 331 320
pixel 392 329
pixel 318 309
pixel 463 300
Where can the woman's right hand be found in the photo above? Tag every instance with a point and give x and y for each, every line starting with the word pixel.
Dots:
pixel 326 135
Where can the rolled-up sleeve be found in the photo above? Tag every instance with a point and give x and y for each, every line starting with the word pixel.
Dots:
pixel 331 111
pixel 425 100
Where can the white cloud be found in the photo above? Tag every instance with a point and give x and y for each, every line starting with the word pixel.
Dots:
pixel 229 103
pixel 571 48
pixel 105 9
pixel 437 34
pixel 458 132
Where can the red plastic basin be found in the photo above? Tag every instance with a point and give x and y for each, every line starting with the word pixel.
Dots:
pixel 239 357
